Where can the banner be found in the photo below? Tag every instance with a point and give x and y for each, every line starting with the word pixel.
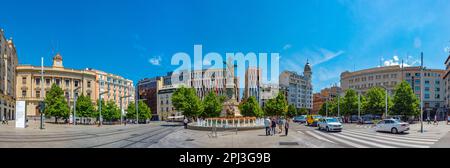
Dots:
pixel 20 114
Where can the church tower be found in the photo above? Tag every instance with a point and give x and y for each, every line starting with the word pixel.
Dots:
pixel 307 71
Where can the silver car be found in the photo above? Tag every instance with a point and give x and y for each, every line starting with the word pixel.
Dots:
pixel 392 125
pixel 329 124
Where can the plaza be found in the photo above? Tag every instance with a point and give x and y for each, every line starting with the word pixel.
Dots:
pixel 172 135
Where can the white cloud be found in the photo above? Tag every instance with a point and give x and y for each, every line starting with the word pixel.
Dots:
pixel 395 60
pixel 155 60
pixel 316 57
pixel 287 46
pixel 326 55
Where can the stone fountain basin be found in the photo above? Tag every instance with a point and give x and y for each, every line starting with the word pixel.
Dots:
pixel 193 126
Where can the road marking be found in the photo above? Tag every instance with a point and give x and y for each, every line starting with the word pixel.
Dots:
pixel 400 136
pixel 318 137
pixel 385 141
pixel 342 140
pixel 363 141
pixel 390 138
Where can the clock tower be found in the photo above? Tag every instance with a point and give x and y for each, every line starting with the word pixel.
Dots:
pixel 57 61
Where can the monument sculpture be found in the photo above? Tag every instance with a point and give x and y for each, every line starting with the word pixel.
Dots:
pixel 230 106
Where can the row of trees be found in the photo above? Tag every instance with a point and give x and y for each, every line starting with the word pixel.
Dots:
pixel 403 102
pixel 57 107
pixel 186 100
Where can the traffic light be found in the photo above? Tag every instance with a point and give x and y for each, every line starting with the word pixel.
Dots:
pixel 41 106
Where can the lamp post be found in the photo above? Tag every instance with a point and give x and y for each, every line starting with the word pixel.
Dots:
pixel 75 97
pixel 386 101
pixel 121 108
pixel 100 107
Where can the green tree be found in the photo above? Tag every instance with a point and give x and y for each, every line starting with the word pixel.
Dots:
pixel 185 100
pixel 350 103
pixel 85 107
pixel 144 111
pixel 302 111
pixel 405 101
pixel 376 101
pixel 251 108
pixel 111 111
pixel 56 104
pixel 212 105
pixel 277 106
pixel 292 111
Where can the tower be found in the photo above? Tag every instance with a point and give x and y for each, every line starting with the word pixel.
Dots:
pixel 307 71
pixel 57 61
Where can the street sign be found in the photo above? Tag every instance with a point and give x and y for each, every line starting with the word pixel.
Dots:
pixel 20 114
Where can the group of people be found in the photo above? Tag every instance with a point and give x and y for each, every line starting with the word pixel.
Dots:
pixel 271 126
pixel 435 120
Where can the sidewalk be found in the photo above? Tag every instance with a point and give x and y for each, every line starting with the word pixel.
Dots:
pixel 243 139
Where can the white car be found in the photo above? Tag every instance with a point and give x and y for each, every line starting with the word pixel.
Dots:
pixel 392 125
pixel 329 124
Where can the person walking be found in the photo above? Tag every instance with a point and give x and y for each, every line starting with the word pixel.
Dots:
pixel 428 120
pixel 286 127
pixel 274 126
pixel 435 120
pixel 267 125
pixel 280 125
pixel 185 123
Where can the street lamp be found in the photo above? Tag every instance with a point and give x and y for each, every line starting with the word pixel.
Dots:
pixel 121 108
pixel 75 97
pixel 386 101
pixel 100 107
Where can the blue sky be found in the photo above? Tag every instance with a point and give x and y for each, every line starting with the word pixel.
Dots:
pixel 137 38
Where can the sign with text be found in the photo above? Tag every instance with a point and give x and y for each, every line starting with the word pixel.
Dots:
pixel 20 114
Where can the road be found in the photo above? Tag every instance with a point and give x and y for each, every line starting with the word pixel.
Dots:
pixel 364 136
pixel 81 136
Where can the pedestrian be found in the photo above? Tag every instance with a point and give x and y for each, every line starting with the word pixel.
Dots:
pixel 267 125
pixel 428 120
pixel 435 120
pixel 280 125
pixel 274 126
pixel 185 123
pixel 286 127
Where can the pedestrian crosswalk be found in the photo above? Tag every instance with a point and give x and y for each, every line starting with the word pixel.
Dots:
pixel 368 138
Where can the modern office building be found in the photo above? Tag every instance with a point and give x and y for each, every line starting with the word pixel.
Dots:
pixel 253 83
pixel 29 83
pixel 8 63
pixel 298 88
pixel 389 76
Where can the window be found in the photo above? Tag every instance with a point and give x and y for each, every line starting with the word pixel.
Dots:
pixel 393 75
pixel 38 81
pixel 47 82
pixel 38 94
pixel 427 96
pixel 24 80
pixel 57 81
pixel 417 81
pixel 378 77
pixel 89 94
pixel 67 82
pixel 417 74
pixel 437 82
pixel 76 83
pixel 437 96
pixel 408 74
pixel 24 93
pixel 417 88
pixel 438 89
pixel 66 94
pixel 89 84
pixel 427 82
pixel 427 89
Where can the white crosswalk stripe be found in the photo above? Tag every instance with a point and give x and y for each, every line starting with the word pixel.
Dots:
pixel 369 138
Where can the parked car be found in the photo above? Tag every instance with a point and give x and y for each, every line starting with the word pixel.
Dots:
pixel 311 120
pixel 354 118
pixel 392 125
pixel 300 119
pixel 365 120
pixel 329 124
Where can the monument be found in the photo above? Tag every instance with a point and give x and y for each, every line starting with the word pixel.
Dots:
pixel 230 106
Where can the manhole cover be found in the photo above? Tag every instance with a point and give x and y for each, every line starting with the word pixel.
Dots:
pixel 135 134
pixel 189 139
pixel 288 143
